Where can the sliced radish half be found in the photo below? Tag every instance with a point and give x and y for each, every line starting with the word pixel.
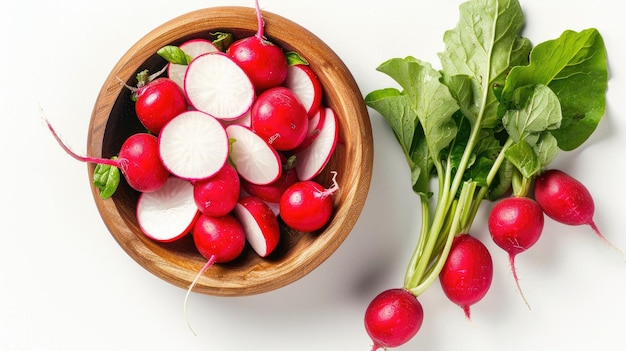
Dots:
pixel 311 161
pixel 168 213
pixel 193 48
pixel 193 145
pixel 215 84
pixel 304 83
pixel 255 160
pixel 315 127
pixel 260 224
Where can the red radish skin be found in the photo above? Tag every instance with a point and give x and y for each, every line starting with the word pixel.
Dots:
pixel 158 102
pixel 306 206
pixel 217 196
pixel 393 318
pixel 566 200
pixel 219 240
pixel 467 273
pixel 316 123
pixel 169 213
pixel 515 224
pixel 138 160
pixel 260 224
pixel 279 118
pixel 263 61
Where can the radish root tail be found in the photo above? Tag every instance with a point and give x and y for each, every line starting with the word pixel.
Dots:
pixel 519 288
pixel 206 266
pixel 593 226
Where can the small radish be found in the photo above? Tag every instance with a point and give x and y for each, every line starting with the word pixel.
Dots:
pixel 215 84
pixel 467 273
pixel 259 223
pixel 263 61
pixel 273 191
pixel 278 117
pixel 193 48
pixel 311 160
pixel 217 196
pixel 306 86
pixel 255 160
pixel 158 102
pixel 219 240
pixel 138 160
pixel 306 206
pixel 393 318
pixel 515 224
pixel 193 145
pixel 169 213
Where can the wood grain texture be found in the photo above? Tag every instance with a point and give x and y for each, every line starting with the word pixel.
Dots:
pixel 113 120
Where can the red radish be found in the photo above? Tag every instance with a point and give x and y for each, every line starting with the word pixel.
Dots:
pixel 316 123
pixel 259 223
pixel 255 160
pixel 193 48
pixel 306 206
pixel 169 213
pixel 219 240
pixel 278 117
pixel 393 318
pixel 311 161
pixel 566 200
pixel 264 62
pixel 217 196
pixel 467 273
pixel 515 224
pixel 138 160
pixel 158 102
pixel 271 192
pixel 193 145
pixel 306 86
pixel 215 84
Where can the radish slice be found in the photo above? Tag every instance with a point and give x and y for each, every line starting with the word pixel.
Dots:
pixel 193 145
pixel 304 83
pixel 311 161
pixel 168 213
pixel 193 48
pixel 315 127
pixel 256 161
pixel 259 223
pixel 215 84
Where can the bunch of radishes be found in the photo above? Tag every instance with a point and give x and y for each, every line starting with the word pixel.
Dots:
pixel 234 141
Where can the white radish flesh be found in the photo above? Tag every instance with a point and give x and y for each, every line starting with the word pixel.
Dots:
pixel 193 48
pixel 311 161
pixel 260 224
pixel 215 84
pixel 169 213
pixel 193 145
pixel 255 160
pixel 304 83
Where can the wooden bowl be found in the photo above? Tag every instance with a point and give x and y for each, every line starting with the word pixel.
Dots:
pixel 114 119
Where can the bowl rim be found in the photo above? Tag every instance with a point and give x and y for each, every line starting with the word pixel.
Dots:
pixel 280 30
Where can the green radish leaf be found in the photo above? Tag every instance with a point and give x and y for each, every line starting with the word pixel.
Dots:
pixel 522 156
pixel 106 178
pixel 293 58
pixel 174 54
pixel 484 46
pixel 540 111
pixel 222 40
pixel 574 66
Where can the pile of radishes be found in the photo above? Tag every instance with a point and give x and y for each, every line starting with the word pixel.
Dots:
pixel 233 144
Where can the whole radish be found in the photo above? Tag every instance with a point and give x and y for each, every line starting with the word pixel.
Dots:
pixel 515 224
pixel 392 318
pixel 158 102
pixel 279 118
pixel 217 196
pixel 263 61
pixel 306 205
pixel 138 160
pixel 219 240
pixel 467 273
pixel 566 200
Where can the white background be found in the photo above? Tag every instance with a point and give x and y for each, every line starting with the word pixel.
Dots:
pixel 66 285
